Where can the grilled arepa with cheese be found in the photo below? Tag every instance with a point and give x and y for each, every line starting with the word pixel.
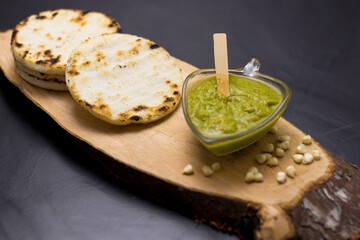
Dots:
pixel 124 79
pixel 42 43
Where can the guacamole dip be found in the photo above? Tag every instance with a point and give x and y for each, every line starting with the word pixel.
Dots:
pixel 249 103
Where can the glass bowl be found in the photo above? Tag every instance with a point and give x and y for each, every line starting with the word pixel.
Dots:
pixel 231 143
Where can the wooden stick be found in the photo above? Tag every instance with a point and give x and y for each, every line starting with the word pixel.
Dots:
pixel 221 63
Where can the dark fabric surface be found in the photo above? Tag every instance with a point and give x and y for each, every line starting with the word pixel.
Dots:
pixel 50 189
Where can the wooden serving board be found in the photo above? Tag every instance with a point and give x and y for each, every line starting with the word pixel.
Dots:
pixel 158 152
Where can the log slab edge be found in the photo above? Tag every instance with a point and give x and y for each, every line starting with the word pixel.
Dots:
pixel 328 210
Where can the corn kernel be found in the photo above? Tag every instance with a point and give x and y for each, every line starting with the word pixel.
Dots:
pixel 306 140
pixel 308 158
pixel 279 152
pixel 283 138
pixel 216 166
pixel 301 149
pixel 258 177
pixel 249 177
pixel 268 156
pixel 290 171
pixel 274 129
pixel 284 145
pixel 207 171
pixel 260 158
pixel 268 148
pixel 188 170
pixel 272 162
pixel 253 170
pixel 298 158
pixel 280 177
pixel 316 154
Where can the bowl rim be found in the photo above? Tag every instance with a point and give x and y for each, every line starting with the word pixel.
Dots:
pixel 257 76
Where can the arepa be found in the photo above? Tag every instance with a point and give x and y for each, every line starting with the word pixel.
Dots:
pixel 50 83
pixel 41 44
pixel 124 79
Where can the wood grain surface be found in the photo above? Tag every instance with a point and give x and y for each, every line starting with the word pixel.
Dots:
pixel 162 149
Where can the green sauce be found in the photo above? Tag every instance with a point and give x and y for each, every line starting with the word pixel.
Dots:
pixel 249 103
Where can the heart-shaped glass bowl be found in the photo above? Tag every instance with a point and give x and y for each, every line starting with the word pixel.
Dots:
pixel 228 144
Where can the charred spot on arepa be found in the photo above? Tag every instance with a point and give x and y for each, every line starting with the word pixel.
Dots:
pixel 50 61
pixel 19 45
pixel 168 82
pixel 54 14
pixel 48 53
pixel 40 17
pixel 13 36
pixel 175 92
pixel 174 85
pixel 113 23
pixel 86 63
pixel 135 118
pixel 42 62
pixel 55 60
pixel 163 109
pixel 84 12
pixel 169 99
pixel 86 103
pixel 154 46
pixel 73 72
pixel 140 107
pixel 25 53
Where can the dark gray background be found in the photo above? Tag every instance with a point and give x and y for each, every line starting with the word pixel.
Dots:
pixel 50 189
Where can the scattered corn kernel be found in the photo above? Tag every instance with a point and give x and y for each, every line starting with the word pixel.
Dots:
pixel 301 149
pixel 260 158
pixel 268 156
pixel 316 154
pixel 207 171
pixel 308 158
pixel 284 145
pixel 306 140
pixel 273 161
pixel 268 148
pixel 188 170
pixel 290 171
pixel 284 138
pixel 253 170
pixel 274 129
pixel 298 158
pixel 279 152
pixel 280 177
pixel 249 177
pixel 216 166
pixel 258 177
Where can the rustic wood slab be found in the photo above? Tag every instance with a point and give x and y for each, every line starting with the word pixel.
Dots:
pixel 156 153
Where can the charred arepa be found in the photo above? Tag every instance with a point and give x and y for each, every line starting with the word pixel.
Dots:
pixel 124 79
pixel 42 43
